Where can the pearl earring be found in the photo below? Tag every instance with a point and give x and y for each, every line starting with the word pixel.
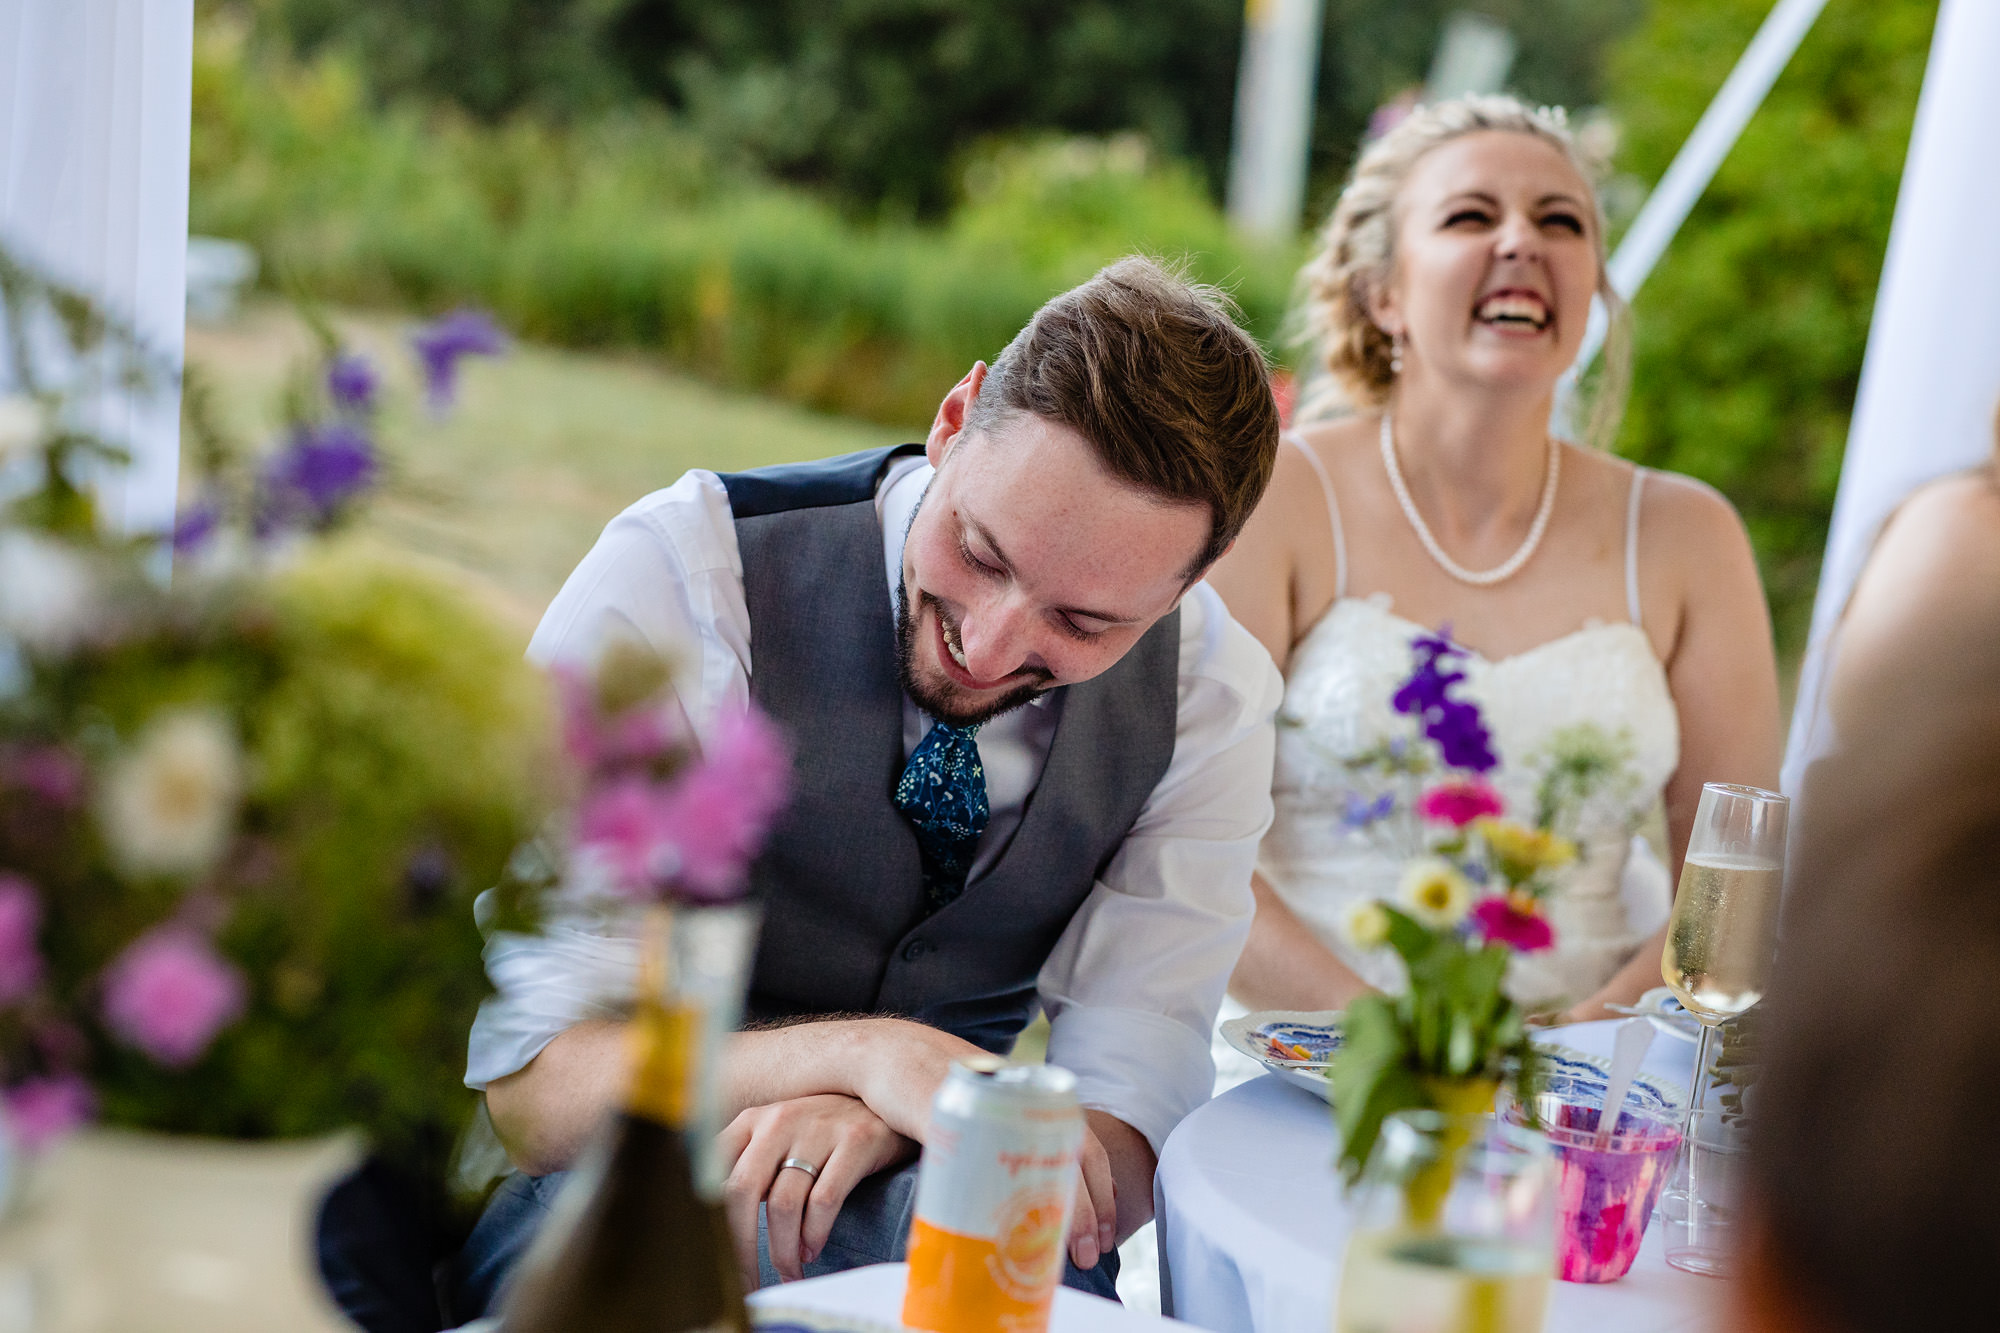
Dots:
pixel 1395 354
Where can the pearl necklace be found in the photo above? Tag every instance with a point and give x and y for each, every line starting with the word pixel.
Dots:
pixel 1477 577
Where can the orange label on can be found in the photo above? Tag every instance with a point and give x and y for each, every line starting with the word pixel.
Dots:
pixel 969 1284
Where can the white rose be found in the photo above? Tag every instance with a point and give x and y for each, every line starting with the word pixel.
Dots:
pixel 170 802
pixel 48 594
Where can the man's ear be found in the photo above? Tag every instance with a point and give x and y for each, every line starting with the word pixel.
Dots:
pixel 950 420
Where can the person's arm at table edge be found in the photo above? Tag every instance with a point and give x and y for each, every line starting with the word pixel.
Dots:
pixel 1722 672
pixel 546 1111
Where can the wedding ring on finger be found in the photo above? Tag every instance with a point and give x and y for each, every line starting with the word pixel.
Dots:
pixel 799 1164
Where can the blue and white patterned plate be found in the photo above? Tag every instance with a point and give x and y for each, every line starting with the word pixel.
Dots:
pixel 1298 1045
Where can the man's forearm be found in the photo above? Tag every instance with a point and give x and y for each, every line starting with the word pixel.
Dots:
pixel 546 1111
pixel 892 1064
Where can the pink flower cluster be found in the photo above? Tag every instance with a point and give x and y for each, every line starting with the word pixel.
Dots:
pixel 20 923
pixel 696 829
pixel 170 993
pixel 1499 920
pixel 1460 802
pixel 43 1109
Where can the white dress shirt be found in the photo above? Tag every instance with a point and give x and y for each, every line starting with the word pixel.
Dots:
pixel 1132 986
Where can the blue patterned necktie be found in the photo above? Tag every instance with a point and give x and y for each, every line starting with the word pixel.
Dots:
pixel 943 794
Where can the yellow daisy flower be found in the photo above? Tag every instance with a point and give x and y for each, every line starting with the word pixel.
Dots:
pixel 1367 924
pixel 1524 851
pixel 1435 892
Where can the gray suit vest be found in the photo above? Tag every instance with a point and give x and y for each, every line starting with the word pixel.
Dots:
pixel 844 925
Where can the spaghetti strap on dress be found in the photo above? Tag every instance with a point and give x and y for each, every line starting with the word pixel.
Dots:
pixel 1332 513
pixel 1632 548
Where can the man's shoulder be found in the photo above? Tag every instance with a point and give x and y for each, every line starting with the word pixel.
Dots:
pixel 689 520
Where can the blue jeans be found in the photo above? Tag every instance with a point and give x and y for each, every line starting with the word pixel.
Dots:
pixel 873 1228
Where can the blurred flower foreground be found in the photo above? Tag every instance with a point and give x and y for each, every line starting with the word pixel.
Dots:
pixel 244 812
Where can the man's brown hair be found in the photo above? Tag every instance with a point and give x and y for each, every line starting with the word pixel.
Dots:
pixel 1152 370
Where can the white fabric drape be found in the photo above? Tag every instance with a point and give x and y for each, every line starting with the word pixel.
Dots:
pixel 1932 371
pixel 94 122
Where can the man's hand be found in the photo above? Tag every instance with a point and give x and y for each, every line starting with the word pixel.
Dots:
pixel 839 1135
pixel 1114 1198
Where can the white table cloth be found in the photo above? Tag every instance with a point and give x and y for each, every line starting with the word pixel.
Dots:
pixel 1252 1227
pixel 876 1293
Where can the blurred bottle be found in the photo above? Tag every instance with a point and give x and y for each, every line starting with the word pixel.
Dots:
pixel 637 1240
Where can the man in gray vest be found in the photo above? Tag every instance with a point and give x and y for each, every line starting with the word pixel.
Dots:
pixel 1034 762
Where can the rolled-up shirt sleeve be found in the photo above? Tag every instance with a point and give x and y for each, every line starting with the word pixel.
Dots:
pixel 1133 985
pixel 665 573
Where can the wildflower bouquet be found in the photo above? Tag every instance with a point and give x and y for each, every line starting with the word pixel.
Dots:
pixel 243 811
pixel 1470 898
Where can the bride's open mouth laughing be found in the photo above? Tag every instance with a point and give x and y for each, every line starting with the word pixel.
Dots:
pixel 1513 310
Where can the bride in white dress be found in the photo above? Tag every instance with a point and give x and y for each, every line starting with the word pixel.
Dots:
pixel 1450 294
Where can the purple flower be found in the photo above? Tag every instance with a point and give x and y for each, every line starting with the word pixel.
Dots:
pixel 1455 725
pixel 194 525
pixel 318 471
pixel 169 993
pixel 1462 737
pixel 20 923
pixel 1361 812
pixel 440 344
pixel 41 1110
pixel 351 382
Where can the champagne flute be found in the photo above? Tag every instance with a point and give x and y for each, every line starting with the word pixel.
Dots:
pixel 1723 933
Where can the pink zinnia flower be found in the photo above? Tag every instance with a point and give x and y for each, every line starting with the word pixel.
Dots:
pixel 622 823
pixel 169 993
pixel 20 922
pixel 41 1110
pixel 1459 803
pixel 1500 921
pixel 717 816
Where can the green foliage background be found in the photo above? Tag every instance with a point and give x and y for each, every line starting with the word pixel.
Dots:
pixel 625 172
pixel 880 101
pixel 1751 331
pixel 628 230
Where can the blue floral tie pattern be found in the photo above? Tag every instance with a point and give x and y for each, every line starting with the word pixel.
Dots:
pixel 943 794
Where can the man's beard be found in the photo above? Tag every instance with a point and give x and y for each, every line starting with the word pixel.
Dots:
pixel 941 703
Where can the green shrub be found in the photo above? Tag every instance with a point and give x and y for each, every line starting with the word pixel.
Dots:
pixel 1750 334
pixel 626 232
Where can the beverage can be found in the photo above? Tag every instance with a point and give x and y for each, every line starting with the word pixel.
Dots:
pixel 994 1196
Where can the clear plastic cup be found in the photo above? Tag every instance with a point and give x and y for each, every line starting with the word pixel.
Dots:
pixel 1605 1194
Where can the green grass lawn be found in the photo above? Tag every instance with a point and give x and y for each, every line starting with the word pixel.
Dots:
pixel 542 450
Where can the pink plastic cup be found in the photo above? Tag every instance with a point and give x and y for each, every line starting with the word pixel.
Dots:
pixel 1605 1196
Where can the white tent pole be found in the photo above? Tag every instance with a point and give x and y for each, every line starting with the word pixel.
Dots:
pixel 1931 374
pixel 1274 105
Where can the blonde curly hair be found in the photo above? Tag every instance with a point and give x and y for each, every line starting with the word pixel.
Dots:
pixel 1357 254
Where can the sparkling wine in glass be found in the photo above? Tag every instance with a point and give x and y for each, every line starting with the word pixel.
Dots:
pixel 1724 930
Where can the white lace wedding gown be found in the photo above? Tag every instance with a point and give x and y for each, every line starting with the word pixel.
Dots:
pixel 1337 705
